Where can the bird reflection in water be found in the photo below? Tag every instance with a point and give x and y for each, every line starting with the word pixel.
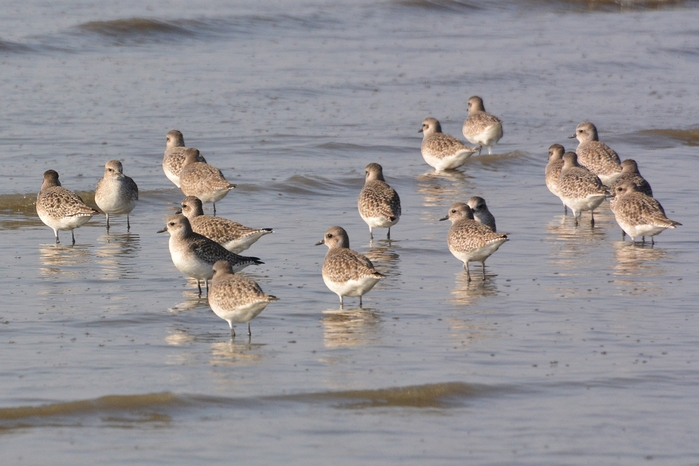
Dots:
pixel 571 243
pixel 386 261
pixel 239 352
pixel 350 327
pixel 117 256
pixel 466 292
pixel 635 264
pixel 442 188
pixel 69 261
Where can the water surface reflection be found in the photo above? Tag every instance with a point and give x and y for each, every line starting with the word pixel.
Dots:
pixel 351 327
pixel 467 292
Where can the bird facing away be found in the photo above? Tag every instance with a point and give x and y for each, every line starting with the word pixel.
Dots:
pixel 202 180
pixel 481 213
pixel 235 298
pixel 481 127
pixel 60 208
pixel 195 255
pixel 116 193
pixel 637 213
pixel 229 234
pixel 629 172
pixel 346 272
pixel 553 171
pixel 378 203
pixel 470 240
pixel 580 189
pixel 173 159
pixel 596 156
pixel 442 151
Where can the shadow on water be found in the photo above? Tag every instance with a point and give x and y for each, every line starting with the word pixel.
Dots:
pixel 351 327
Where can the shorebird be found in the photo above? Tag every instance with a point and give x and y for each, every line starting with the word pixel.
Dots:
pixel 229 234
pixel 346 272
pixel 470 240
pixel 638 214
pixel 235 298
pixel 60 208
pixel 481 127
pixel 442 151
pixel 202 180
pixel 195 255
pixel 378 203
pixel 596 156
pixel 173 159
pixel 580 188
pixel 116 193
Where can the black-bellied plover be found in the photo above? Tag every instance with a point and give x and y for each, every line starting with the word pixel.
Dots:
pixel 553 171
pixel 442 151
pixel 481 213
pixel 378 203
pixel 346 272
pixel 202 180
pixel 470 240
pixel 637 213
pixel 235 298
pixel 194 255
pixel 596 156
pixel 60 208
pixel 229 234
pixel 116 193
pixel 173 159
pixel 629 172
pixel 580 188
pixel 481 127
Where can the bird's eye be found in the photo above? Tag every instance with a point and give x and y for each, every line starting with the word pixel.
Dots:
pixel 453 211
pixel 330 235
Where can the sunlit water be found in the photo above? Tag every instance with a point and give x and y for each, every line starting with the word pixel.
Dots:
pixel 577 348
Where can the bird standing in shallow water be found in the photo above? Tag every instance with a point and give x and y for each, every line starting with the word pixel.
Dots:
pixel 229 234
pixel 195 255
pixel 553 171
pixel 346 272
pixel 60 208
pixel 580 189
pixel 470 240
pixel 440 150
pixel 637 213
pixel 173 158
pixel 596 156
pixel 202 180
pixel 378 203
pixel 481 127
pixel 235 298
pixel 116 193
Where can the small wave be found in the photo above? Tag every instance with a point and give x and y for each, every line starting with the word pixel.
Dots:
pixel 157 407
pixel 439 395
pixel 613 5
pixel 299 184
pixel 688 137
pixel 137 28
pixel 13 47
pixel 444 5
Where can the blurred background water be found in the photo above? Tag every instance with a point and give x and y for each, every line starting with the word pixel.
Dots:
pixel 578 348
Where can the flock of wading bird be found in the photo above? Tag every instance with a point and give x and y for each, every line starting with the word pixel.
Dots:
pixel 207 247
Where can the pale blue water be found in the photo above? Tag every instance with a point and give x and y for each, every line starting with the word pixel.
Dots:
pixel 577 349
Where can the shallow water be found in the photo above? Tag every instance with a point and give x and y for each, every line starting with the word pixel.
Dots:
pixel 577 348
